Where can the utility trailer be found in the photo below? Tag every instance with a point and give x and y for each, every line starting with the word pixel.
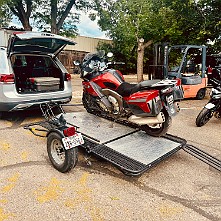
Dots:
pixel 129 149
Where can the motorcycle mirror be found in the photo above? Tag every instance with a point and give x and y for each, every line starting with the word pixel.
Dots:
pixel 110 54
pixel 77 63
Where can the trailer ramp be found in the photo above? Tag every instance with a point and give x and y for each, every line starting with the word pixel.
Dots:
pixel 131 150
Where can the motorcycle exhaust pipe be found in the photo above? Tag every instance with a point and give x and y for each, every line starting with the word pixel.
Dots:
pixel 159 119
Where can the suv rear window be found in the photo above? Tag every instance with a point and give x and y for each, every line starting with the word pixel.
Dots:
pixel 4 67
pixel 38 44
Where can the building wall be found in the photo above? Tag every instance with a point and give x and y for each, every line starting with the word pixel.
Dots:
pixel 67 57
pixel 77 52
pixel 86 44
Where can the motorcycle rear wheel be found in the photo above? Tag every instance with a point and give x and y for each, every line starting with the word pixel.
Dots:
pixel 160 129
pixel 203 117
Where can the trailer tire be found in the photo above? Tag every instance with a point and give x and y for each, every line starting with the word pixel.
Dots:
pixel 201 94
pixel 61 159
pixel 203 117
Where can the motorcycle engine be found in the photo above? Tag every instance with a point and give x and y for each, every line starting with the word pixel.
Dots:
pixel 115 104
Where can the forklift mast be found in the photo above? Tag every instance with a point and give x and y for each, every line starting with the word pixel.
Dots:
pixel 164 59
pixel 159 68
pixel 188 54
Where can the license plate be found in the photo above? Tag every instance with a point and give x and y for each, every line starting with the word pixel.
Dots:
pixel 72 141
pixel 170 99
pixel 170 105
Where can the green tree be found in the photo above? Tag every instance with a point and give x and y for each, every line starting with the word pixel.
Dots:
pixel 55 16
pixel 5 14
pixel 22 10
pixel 212 26
pixel 59 16
pixel 125 23
pixel 135 25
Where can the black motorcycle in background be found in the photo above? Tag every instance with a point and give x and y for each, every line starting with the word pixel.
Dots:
pixel 213 107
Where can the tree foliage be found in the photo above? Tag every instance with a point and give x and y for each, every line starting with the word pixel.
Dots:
pixel 59 16
pixel 56 16
pixel 173 21
pixel 5 14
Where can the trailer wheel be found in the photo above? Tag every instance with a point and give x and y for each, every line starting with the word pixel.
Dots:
pixel 61 159
pixel 204 116
pixel 201 94
pixel 158 130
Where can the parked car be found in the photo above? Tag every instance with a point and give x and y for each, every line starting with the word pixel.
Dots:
pixel 31 73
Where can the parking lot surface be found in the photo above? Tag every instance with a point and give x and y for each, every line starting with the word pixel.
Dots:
pixel 179 188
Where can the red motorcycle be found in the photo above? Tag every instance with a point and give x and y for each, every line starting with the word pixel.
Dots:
pixel 148 105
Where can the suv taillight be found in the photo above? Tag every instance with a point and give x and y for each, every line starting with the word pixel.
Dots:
pixel 7 78
pixel 68 77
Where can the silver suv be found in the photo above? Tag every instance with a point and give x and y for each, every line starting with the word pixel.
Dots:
pixel 30 72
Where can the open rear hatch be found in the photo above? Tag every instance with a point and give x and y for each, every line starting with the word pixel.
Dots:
pixel 37 42
pixel 33 57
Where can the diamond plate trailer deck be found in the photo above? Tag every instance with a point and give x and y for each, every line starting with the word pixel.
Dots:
pixel 131 150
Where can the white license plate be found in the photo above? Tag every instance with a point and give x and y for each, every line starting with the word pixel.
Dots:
pixel 72 141
pixel 170 99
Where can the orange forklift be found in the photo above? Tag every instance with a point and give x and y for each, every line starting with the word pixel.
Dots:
pixel 186 62
pixel 191 69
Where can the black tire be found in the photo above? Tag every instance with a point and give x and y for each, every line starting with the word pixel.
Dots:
pixel 203 117
pixel 201 94
pixel 86 100
pixel 161 129
pixel 61 159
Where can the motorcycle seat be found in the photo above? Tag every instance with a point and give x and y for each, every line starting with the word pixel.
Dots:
pixel 126 89
pixel 156 84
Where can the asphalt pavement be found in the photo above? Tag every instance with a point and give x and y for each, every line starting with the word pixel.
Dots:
pixel 179 188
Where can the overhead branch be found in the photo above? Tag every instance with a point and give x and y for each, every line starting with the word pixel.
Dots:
pixel 65 13
pixel 147 44
pixel 29 8
pixel 54 10
pixel 14 12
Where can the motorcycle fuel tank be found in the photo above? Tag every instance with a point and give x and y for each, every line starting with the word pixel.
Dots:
pixel 109 79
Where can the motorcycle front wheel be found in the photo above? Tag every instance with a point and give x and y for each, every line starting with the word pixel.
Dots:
pixel 203 117
pixel 61 159
pixel 158 130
